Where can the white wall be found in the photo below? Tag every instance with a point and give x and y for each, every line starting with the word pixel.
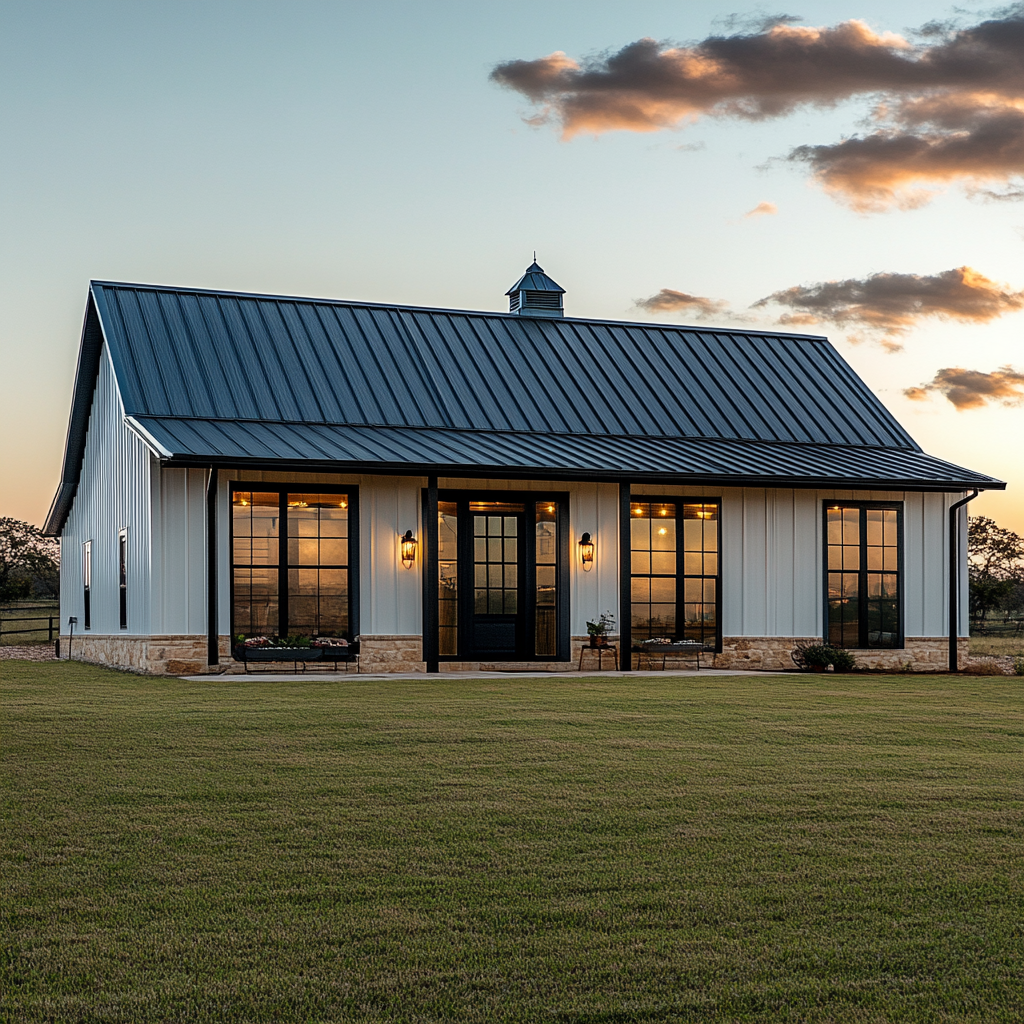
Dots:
pixel 771 551
pixel 113 494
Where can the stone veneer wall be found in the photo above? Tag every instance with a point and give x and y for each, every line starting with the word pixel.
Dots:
pixel 920 654
pixel 391 653
pixel 186 655
pixel 182 655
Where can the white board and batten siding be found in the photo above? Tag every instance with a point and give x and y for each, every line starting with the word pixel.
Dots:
pixel 772 559
pixel 773 551
pixel 113 495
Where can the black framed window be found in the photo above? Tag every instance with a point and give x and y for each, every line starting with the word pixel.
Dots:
pixel 122 578
pixel 292 565
pixel 87 585
pixel 864 574
pixel 675 569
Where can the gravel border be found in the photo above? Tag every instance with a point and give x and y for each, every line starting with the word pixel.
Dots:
pixel 28 652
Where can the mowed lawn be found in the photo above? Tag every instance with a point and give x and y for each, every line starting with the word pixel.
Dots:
pixel 774 848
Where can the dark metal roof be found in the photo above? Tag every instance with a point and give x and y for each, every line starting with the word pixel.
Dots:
pixel 215 355
pixel 564 456
pixel 535 280
pixel 278 377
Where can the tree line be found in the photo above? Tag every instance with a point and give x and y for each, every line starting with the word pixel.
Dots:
pixel 996 568
pixel 29 562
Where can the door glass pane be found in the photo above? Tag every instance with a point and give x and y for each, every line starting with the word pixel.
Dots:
pixel 448 578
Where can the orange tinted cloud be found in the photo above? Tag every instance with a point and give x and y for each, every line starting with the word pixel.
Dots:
pixel 762 210
pixel 972 389
pixel 668 300
pixel 887 305
pixel 949 108
pixel 975 141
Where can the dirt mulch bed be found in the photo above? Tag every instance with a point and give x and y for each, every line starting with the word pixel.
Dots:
pixel 28 652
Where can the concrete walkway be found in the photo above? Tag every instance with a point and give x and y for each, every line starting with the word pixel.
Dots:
pixel 282 677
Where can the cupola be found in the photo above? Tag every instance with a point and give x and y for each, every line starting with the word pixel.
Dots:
pixel 535 294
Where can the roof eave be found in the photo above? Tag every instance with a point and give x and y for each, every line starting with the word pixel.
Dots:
pixel 89 351
pixel 604 476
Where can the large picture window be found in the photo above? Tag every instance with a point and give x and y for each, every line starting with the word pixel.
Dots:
pixel 291 568
pixel 676 577
pixel 863 569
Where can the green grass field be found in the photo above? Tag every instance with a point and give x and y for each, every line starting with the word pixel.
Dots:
pixel 783 848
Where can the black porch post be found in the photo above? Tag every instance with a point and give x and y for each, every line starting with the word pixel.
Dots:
pixel 625 580
pixel 212 625
pixel 430 612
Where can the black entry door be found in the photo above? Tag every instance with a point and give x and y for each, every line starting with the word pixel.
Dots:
pixel 498 620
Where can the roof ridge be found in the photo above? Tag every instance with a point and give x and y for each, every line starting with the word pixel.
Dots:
pixel 366 304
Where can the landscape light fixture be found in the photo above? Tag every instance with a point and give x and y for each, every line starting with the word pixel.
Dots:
pixel 409 543
pixel 587 552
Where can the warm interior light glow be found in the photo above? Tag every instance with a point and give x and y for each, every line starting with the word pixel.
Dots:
pixel 551 508
pixel 663 531
pixel 408 543
pixel 664 511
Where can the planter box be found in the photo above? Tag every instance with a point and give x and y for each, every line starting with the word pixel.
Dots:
pixel 280 653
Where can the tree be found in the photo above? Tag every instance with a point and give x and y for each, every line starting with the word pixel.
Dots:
pixel 994 564
pixel 29 562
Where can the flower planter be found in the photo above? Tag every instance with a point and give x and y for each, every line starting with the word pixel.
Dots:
pixel 282 653
pixel 599 641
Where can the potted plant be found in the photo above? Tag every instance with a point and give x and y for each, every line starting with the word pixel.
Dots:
pixel 599 630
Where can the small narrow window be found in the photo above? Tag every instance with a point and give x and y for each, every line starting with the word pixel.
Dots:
pixel 87 585
pixel 122 577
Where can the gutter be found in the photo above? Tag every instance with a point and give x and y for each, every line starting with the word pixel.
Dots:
pixel 954 579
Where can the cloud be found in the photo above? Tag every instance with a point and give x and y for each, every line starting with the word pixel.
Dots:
pixel 947 108
pixel 762 210
pixel 972 389
pixel 971 140
pixel 888 305
pixel 668 300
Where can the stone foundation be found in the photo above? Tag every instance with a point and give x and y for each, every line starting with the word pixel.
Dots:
pixel 182 655
pixel 775 654
pixel 186 655
pixel 391 653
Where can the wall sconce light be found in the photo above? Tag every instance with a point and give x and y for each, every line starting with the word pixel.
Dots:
pixel 587 552
pixel 409 543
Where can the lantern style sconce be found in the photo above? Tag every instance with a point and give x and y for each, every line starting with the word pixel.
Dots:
pixel 409 543
pixel 587 552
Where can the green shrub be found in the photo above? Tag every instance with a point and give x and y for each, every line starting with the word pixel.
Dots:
pixel 843 660
pixel 1018 666
pixel 817 654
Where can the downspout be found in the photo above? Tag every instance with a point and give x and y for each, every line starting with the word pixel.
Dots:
pixel 212 632
pixel 954 579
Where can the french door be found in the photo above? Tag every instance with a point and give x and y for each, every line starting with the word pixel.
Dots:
pixel 502 577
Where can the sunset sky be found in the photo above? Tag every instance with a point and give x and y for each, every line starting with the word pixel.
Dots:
pixel 854 170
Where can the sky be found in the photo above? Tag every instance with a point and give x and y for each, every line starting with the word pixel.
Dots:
pixel 845 168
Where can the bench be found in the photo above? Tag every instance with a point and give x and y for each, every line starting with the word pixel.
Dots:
pixel 298 656
pixel 683 650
